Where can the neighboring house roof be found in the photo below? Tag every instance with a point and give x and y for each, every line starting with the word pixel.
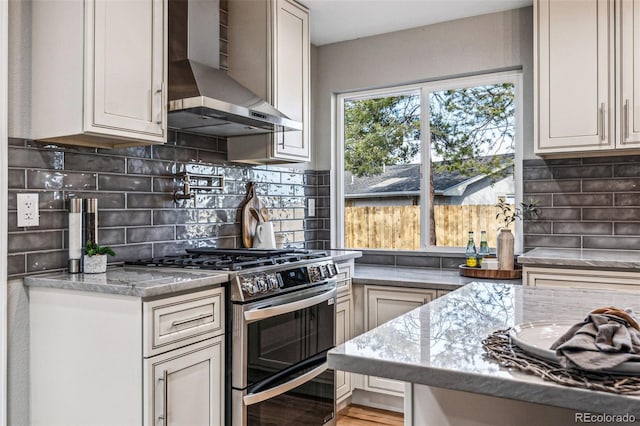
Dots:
pixel 404 180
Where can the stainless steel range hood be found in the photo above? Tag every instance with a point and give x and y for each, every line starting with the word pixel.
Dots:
pixel 202 98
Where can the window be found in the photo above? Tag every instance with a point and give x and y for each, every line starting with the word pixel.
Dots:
pixel 424 164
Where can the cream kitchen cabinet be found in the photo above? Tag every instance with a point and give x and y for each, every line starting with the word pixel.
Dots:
pixel 381 305
pixel 587 76
pixel 269 53
pixel 126 361
pixel 99 72
pixel 536 276
pixel 344 326
pixel 344 330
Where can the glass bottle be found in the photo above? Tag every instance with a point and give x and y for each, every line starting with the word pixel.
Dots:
pixel 470 252
pixel 484 247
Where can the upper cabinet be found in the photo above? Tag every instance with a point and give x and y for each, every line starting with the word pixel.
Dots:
pixel 269 54
pixel 587 76
pixel 99 72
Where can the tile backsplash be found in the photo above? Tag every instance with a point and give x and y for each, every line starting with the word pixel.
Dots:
pixel 584 203
pixel 138 216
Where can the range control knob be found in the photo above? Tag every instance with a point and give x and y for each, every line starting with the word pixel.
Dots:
pixel 262 285
pixel 314 273
pixel 272 282
pixel 248 286
pixel 333 269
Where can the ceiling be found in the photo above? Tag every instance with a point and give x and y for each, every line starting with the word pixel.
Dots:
pixel 338 20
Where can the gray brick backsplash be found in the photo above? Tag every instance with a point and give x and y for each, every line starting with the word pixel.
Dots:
pixel 552 241
pixel 107 182
pixel 564 200
pixel 618 242
pixel 137 214
pixel 94 163
pixel 596 202
pixel 627 199
pixel 16 264
pixel 418 261
pixel 583 228
pixel 377 259
pixel 546 186
pixel 44 261
pixel 611 185
pixel 451 262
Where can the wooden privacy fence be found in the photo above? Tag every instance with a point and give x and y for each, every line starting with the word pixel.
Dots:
pixel 398 227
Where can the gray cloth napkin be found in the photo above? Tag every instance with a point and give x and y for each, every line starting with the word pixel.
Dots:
pixel 600 342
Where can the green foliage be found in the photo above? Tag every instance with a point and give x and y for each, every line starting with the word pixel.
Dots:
pixel 508 214
pixel 381 132
pixel 91 249
pixel 470 126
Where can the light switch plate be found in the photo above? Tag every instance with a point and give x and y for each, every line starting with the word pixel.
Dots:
pixel 28 212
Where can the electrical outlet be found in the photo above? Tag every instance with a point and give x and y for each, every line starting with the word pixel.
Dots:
pixel 311 207
pixel 28 214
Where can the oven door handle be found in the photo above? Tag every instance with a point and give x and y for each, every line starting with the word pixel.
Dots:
pixel 255 398
pixel 272 311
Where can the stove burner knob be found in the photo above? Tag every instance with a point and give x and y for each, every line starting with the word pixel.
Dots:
pixel 249 287
pixel 314 273
pixel 272 282
pixel 261 284
pixel 332 270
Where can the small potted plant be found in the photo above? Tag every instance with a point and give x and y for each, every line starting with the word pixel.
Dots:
pixel 95 258
pixel 505 240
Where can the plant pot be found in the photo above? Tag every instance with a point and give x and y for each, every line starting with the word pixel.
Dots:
pixel 95 264
pixel 505 249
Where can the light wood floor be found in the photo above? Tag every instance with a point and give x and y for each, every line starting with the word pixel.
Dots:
pixel 357 415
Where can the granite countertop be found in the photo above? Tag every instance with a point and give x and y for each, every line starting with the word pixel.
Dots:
pixel 439 344
pixel 342 255
pixel 583 258
pixel 446 279
pixel 131 281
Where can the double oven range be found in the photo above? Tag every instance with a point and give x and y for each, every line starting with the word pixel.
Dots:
pixel 280 325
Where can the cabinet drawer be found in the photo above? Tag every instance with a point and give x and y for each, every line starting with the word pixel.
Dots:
pixel 345 272
pixel 181 320
pixel 580 278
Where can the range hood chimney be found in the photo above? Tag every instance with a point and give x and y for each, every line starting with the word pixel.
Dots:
pixel 202 98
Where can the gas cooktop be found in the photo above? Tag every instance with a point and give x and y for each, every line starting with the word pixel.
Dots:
pixel 230 259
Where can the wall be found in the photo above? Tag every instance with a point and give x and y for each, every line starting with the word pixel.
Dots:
pixel 138 216
pixel 584 203
pixel 497 41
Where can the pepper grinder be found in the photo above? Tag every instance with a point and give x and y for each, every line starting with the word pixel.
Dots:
pixel 75 235
pixel 91 220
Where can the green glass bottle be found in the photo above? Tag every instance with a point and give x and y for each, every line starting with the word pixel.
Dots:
pixel 470 252
pixel 484 247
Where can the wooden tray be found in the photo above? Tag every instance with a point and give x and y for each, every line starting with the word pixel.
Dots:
pixel 496 274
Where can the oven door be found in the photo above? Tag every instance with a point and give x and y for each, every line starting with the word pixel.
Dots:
pixel 282 332
pixel 303 396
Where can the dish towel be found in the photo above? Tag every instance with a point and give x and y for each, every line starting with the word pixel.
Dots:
pixel 605 339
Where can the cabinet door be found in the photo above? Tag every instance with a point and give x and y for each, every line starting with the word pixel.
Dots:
pixel 574 76
pixel 186 386
pixel 291 86
pixel 343 333
pixel 629 103
pixel 384 304
pixel 125 68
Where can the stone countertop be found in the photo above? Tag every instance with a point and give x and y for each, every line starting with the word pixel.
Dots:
pixel 439 344
pixel 342 255
pixel 446 279
pixel 131 281
pixel 582 258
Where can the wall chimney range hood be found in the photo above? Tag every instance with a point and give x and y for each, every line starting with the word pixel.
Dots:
pixel 202 98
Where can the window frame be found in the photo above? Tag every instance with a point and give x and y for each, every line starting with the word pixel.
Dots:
pixel 425 88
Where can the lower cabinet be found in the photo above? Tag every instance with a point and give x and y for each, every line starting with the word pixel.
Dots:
pixel 381 305
pixel 344 313
pixel 186 386
pixel 580 278
pixel 126 361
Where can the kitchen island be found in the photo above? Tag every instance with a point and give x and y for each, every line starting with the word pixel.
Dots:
pixel 437 350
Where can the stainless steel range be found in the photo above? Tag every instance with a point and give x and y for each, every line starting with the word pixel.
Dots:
pixel 281 323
